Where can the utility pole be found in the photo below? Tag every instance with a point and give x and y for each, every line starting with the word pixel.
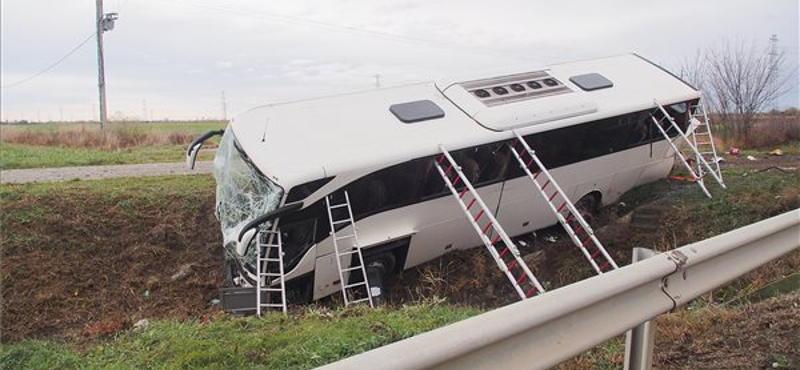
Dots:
pixel 773 68
pixel 224 107
pixel 104 22
pixel 378 81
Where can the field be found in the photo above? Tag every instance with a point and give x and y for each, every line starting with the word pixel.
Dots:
pixel 82 144
pixel 43 145
pixel 83 261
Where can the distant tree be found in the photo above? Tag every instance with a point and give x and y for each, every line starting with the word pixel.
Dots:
pixel 740 80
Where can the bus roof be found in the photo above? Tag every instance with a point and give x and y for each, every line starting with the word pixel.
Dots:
pixel 301 141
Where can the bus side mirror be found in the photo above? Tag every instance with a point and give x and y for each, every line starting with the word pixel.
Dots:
pixel 194 147
pixel 191 155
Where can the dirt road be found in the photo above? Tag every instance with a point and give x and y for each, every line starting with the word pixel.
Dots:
pixel 100 172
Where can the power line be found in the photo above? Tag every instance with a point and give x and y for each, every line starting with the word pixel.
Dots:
pixel 357 30
pixel 20 82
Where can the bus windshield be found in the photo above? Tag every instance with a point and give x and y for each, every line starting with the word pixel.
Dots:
pixel 243 193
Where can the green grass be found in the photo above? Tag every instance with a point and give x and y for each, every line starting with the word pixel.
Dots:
pixel 786 285
pixel 15 156
pixel 792 148
pixel 751 196
pixel 311 339
pixel 195 127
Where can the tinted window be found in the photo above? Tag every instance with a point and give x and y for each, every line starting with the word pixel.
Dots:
pixel 302 191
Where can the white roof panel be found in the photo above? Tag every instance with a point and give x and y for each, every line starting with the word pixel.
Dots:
pixel 311 139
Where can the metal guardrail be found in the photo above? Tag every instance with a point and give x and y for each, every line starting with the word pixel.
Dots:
pixel 544 331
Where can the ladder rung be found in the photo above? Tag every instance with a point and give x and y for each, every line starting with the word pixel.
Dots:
pixel 355 285
pixel 272 305
pixel 271 289
pixel 345 236
pixel 341 222
pixel 338 206
pixel 359 300
pixel 270 274
pixel 352 268
pixel 267 259
pixel 347 253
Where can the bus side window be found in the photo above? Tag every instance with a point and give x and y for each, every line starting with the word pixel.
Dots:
pixel 367 195
pixel 433 184
pixel 404 182
pixel 493 160
pixel 637 124
pixel 605 137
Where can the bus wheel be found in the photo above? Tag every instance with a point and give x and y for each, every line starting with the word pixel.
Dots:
pixel 588 207
pixel 378 267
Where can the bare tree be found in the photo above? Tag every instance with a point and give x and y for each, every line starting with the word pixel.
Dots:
pixel 740 80
pixel 692 70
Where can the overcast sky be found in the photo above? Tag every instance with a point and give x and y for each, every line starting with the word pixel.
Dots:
pixel 174 58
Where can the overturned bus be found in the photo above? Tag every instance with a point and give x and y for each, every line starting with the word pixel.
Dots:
pixel 601 127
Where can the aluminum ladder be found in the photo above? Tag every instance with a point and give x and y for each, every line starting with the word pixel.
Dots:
pixel 579 231
pixel 269 271
pixel 702 139
pixel 358 291
pixel 505 254
pixel 664 116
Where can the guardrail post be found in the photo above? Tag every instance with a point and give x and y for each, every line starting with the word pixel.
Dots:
pixel 639 340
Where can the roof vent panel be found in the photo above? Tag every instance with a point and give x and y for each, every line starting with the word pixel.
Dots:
pixel 416 111
pixel 591 81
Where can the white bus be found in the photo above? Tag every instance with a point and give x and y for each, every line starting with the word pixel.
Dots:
pixel 589 122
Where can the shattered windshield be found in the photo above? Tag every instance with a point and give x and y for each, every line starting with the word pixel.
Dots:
pixel 243 194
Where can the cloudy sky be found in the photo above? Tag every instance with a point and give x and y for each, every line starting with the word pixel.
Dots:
pixel 175 58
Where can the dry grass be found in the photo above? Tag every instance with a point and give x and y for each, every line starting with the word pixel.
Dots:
pixel 116 138
pixel 774 131
pixel 768 131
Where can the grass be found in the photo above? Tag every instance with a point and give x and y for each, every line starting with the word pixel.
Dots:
pixel 767 131
pixel 149 187
pixel 18 156
pixel 27 206
pixel 60 145
pixel 751 196
pixel 193 127
pixel 791 148
pixel 746 337
pixel 313 338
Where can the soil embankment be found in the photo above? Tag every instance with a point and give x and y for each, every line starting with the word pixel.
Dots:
pixel 81 261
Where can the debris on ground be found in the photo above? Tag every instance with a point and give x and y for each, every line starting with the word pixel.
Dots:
pixel 777 168
pixel 141 325
pixel 183 272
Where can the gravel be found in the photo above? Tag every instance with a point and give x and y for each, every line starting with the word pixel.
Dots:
pixel 100 172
